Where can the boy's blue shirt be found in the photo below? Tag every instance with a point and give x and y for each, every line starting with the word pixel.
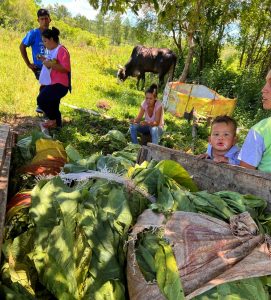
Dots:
pixel 232 154
pixel 33 39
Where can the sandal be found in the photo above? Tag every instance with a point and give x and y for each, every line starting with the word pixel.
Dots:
pixel 49 124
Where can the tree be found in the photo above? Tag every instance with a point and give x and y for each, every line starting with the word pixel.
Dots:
pixel 115 28
pixel 100 24
pixel 18 14
pixel 198 22
pixel 83 23
pixel 254 41
pixel 61 12
pixel 126 29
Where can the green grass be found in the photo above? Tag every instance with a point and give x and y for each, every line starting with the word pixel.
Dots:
pixel 93 79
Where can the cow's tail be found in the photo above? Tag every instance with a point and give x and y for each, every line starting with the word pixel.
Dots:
pixel 172 69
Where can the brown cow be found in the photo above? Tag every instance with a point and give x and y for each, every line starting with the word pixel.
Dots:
pixel 155 60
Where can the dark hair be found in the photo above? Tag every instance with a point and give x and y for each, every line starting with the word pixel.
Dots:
pixel 43 12
pixel 152 89
pixel 51 33
pixel 225 119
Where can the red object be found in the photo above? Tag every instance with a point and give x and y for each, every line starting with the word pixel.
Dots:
pixel 19 199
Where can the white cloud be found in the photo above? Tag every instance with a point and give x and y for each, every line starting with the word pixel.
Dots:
pixel 76 7
pixel 81 7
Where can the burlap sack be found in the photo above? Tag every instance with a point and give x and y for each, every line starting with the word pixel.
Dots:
pixel 208 252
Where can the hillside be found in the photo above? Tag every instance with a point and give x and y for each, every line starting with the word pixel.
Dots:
pixel 94 71
pixel 93 78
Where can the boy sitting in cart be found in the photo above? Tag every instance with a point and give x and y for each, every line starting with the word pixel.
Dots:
pixel 221 147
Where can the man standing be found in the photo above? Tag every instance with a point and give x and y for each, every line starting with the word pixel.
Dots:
pixel 33 39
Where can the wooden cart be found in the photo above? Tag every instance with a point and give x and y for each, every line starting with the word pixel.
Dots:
pixel 211 176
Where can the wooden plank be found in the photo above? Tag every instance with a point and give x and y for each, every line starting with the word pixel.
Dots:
pixel 4 132
pixel 211 176
pixel 6 142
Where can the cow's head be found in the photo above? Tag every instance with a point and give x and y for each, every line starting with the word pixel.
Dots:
pixel 121 73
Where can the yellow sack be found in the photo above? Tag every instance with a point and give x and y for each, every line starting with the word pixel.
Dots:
pixel 48 149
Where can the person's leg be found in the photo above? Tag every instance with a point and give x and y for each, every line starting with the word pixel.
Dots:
pixel 133 133
pixel 38 109
pixel 49 100
pixel 156 133
pixel 44 100
pixel 135 128
pixel 61 91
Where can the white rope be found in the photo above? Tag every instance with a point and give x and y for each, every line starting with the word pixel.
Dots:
pixel 84 176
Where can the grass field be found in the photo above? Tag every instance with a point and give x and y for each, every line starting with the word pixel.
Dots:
pixel 93 79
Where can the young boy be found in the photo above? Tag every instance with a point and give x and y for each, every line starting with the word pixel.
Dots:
pixel 221 147
pixel 33 39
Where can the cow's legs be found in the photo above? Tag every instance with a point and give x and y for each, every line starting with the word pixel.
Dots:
pixel 142 77
pixel 143 81
pixel 161 81
pixel 137 84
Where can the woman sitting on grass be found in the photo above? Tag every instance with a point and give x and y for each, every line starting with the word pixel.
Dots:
pixel 55 77
pixel 153 111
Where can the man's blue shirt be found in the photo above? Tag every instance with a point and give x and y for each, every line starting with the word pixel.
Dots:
pixel 33 39
pixel 232 154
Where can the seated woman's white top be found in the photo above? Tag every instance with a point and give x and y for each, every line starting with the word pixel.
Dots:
pixel 157 106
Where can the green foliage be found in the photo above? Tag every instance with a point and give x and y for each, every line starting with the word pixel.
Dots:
pixel 17 14
pixel 220 79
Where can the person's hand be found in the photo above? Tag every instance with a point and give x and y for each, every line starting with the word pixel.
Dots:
pixel 202 156
pixel 133 121
pixel 221 159
pixel 143 123
pixel 33 67
pixel 49 63
pixel 41 57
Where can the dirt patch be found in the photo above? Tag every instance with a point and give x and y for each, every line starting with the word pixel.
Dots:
pixel 21 124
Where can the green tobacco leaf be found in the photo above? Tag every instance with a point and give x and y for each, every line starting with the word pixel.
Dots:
pixel 27 145
pixel 168 278
pixel 211 204
pixel 147 179
pixel 113 164
pixel 57 255
pixel 245 289
pixel 74 168
pixel 110 290
pixel 72 153
pixel 175 171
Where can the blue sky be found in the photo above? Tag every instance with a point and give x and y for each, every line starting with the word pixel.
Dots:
pixel 76 7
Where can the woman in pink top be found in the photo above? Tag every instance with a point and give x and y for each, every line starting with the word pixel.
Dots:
pixel 153 111
pixel 56 75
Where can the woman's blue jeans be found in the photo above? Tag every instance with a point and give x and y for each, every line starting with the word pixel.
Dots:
pixel 155 132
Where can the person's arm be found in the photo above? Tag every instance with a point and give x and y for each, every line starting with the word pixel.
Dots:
pixel 54 65
pixel 202 155
pixel 139 116
pixel 25 57
pixel 158 115
pixel 245 165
